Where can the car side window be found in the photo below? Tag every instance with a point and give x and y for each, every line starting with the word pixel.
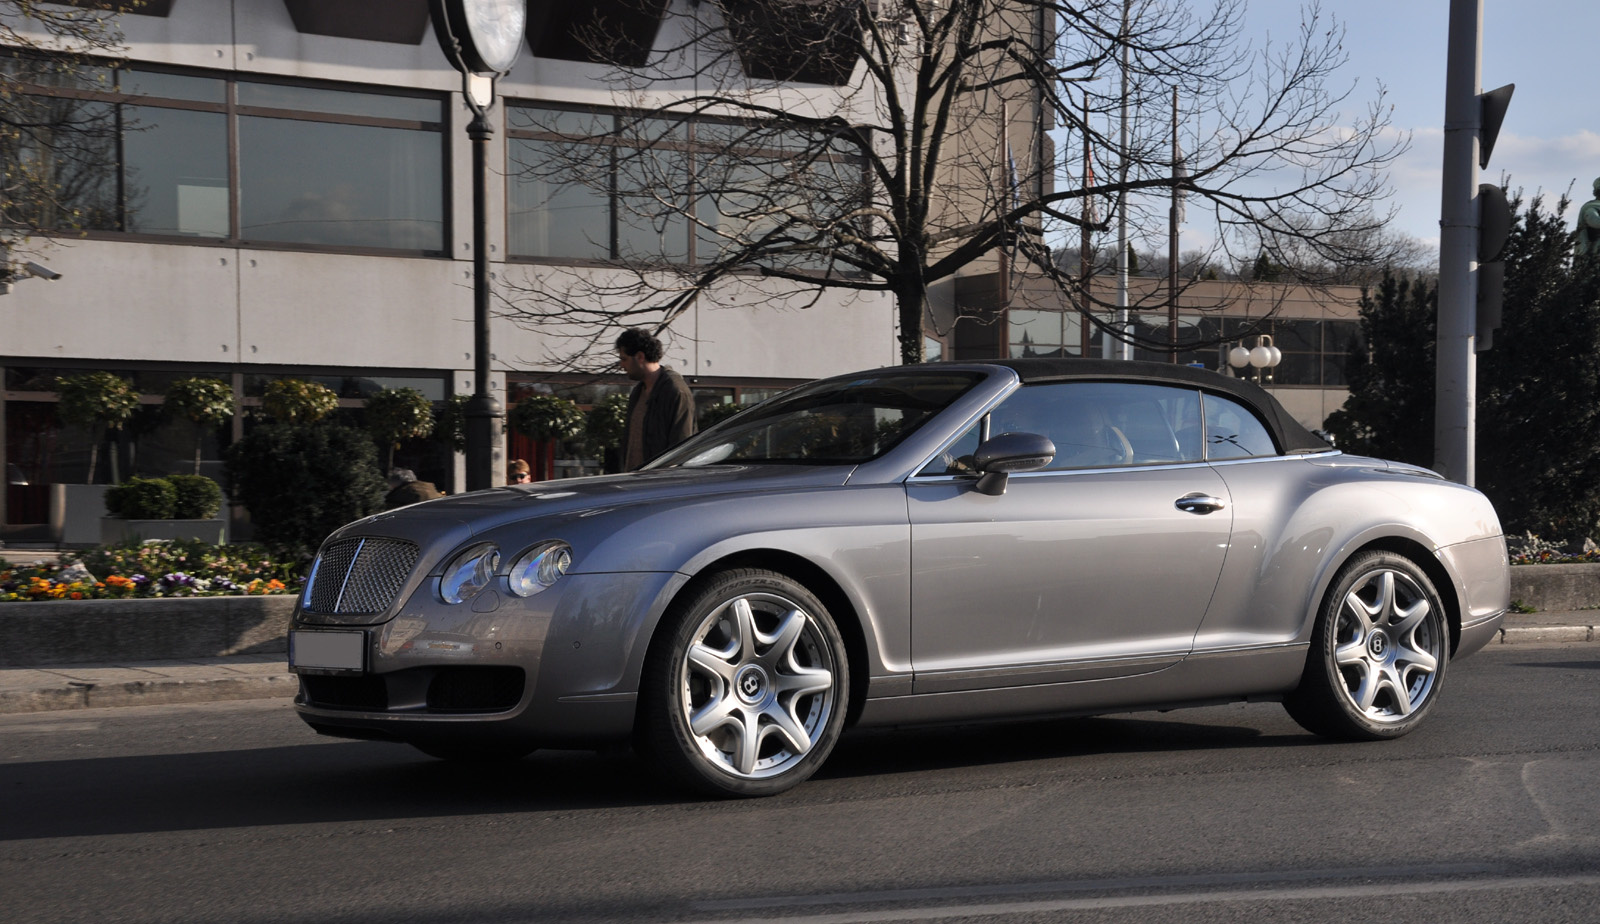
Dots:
pixel 1233 432
pixel 1161 423
pixel 1104 424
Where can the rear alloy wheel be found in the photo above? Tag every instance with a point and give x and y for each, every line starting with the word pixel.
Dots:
pixel 744 692
pixel 1378 655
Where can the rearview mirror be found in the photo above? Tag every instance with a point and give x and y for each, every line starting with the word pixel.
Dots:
pixel 997 457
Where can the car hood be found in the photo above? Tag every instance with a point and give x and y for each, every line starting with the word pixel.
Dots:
pixel 456 518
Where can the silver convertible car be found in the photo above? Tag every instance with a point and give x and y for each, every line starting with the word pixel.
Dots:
pixel 938 543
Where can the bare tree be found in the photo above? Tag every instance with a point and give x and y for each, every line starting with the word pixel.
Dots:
pixel 940 137
pixel 57 150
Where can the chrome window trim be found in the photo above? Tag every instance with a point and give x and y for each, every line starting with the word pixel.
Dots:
pixel 1254 459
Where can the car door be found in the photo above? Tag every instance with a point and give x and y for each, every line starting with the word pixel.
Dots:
pixel 1101 565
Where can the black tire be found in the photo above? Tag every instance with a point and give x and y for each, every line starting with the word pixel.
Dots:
pixel 474 752
pixel 758 659
pixel 1379 653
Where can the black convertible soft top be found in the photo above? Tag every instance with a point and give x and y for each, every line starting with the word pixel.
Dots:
pixel 1289 433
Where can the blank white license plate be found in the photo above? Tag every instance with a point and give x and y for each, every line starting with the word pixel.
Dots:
pixel 327 651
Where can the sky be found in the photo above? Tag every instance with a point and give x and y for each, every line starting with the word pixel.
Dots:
pixel 1549 48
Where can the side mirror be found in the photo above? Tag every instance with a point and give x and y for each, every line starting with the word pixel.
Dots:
pixel 999 456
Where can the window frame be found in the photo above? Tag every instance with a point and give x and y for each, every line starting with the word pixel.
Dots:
pixel 232 111
pixel 620 120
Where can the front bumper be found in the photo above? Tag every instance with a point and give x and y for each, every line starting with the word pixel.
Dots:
pixel 558 668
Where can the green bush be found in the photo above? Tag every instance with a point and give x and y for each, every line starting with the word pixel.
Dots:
pixel 142 499
pixel 302 482
pixel 395 414
pixel 546 417
pixel 606 424
pixel 198 497
pixel 97 401
pixel 713 414
pixel 204 402
pixel 293 401
pixel 450 422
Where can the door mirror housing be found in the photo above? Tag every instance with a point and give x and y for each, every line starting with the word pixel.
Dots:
pixel 997 457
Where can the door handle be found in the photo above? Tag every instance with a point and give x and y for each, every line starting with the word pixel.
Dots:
pixel 1200 503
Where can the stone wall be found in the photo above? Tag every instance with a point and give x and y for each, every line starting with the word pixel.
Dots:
pixel 112 631
pixel 1556 588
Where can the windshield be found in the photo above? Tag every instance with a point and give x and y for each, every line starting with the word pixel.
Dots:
pixel 837 422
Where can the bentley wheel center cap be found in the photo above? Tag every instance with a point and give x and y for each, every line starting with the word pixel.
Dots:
pixel 1378 645
pixel 751 684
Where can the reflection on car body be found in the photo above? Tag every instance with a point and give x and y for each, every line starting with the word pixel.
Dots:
pixel 934 543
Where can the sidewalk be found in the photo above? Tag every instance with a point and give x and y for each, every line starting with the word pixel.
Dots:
pixel 144 683
pixel 205 680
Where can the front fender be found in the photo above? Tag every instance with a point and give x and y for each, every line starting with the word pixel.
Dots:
pixel 858 536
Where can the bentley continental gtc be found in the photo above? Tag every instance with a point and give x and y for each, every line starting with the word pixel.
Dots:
pixel 924 544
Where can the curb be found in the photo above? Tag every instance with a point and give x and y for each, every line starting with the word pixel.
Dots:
pixel 1527 634
pixel 83 694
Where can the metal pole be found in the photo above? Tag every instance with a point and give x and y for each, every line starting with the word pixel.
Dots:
pixel 1455 398
pixel 1172 242
pixel 1124 321
pixel 1085 269
pixel 483 412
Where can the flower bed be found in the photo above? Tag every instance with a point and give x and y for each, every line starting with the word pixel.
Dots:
pixel 1529 549
pixel 153 569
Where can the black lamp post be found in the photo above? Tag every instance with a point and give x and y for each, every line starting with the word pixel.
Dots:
pixel 481 39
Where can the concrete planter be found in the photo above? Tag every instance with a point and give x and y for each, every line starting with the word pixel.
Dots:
pixel 1556 588
pixel 75 513
pixel 119 631
pixel 115 530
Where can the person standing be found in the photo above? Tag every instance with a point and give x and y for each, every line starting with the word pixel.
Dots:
pixel 405 489
pixel 660 407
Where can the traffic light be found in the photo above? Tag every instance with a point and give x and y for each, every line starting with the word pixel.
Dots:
pixel 1494 220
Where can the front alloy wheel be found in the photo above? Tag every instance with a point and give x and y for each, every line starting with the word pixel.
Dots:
pixel 745 692
pixel 1379 652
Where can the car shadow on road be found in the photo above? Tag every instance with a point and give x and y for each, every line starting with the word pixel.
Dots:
pixel 873 751
pixel 357 781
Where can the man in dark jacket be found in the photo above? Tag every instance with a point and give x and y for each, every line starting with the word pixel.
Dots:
pixel 660 407
pixel 404 488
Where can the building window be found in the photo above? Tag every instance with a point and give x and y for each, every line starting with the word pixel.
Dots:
pixel 147 152
pixel 612 186
pixel 1043 333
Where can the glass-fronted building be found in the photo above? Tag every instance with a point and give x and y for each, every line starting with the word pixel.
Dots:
pixel 270 189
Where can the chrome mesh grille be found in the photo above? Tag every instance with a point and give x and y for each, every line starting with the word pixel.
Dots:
pixel 355 576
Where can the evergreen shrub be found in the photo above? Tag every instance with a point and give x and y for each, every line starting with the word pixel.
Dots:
pixel 142 499
pixel 198 497
pixel 303 481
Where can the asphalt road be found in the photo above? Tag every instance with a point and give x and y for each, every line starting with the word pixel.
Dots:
pixel 236 813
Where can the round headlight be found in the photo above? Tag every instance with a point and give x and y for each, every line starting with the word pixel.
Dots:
pixel 539 567
pixel 469 573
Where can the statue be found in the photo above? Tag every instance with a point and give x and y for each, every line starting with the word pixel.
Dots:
pixel 1588 232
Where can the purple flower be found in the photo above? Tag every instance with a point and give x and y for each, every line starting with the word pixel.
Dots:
pixel 176 580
